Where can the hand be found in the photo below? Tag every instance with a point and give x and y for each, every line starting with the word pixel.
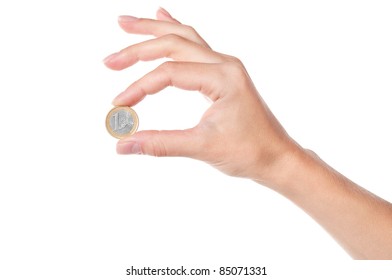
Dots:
pixel 238 134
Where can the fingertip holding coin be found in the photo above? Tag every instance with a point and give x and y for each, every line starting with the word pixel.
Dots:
pixel 122 122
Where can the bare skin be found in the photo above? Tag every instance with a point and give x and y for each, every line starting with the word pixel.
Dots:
pixel 360 221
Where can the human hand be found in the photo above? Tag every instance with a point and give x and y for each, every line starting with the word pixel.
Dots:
pixel 238 134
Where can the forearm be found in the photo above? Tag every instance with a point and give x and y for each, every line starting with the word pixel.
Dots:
pixel 360 221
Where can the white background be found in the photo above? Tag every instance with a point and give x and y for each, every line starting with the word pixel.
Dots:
pixel 71 208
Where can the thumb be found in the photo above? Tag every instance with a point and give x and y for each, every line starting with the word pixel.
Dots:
pixel 161 143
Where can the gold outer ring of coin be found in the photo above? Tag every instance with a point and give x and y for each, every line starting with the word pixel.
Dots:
pixel 134 117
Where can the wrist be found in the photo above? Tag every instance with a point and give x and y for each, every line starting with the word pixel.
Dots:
pixel 287 171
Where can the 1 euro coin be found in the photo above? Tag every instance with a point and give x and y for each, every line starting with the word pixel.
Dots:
pixel 122 121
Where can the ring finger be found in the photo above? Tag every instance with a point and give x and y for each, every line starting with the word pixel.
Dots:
pixel 170 46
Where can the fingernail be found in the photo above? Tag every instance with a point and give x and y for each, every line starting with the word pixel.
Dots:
pixel 129 147
pixel 110 57
pixel 163 11
pixel 127 18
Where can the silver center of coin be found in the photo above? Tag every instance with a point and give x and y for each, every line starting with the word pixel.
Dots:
pixel 121 122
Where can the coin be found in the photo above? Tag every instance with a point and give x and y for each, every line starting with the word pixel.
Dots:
pixel 122 121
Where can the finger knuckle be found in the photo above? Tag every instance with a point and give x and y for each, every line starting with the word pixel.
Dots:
pixel 234 59
pixel 167 66
pixel 236 68
pixel 190 29
pixel 156 146
pixel 172 39
pixel 159 148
